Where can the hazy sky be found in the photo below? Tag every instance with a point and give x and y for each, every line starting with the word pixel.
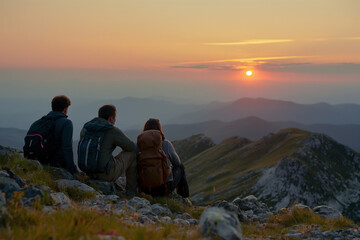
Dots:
pixel 197 50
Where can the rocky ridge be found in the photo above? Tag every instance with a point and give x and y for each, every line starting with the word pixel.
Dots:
pixel 281 169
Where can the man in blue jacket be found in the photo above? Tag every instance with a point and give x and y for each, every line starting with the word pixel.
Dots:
pixel 49 139
pixel 63 156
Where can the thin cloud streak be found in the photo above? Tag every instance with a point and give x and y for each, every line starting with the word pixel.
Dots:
pixel 352 38
pixel 247 60
pixel 251 42
pixel 272 66
pixel 270 41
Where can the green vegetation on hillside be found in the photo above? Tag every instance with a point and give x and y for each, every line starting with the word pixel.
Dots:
pixel 28 170
pixel 192 146
pixel 215 172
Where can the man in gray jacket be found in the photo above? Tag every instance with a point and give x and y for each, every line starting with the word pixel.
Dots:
pixel 109 168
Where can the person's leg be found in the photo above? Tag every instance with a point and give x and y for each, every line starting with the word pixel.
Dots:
pixel 128 163
pixel 180 182
pixel 177 175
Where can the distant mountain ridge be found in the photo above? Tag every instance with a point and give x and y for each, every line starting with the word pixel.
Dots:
pixel 133 112
pixel 290 166
pixel 276 110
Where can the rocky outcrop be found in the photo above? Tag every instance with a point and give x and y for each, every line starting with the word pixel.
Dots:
pixel 252 209
pixel 280 169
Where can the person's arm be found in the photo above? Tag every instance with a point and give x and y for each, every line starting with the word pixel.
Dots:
pixel 121 140
pixel 174 157
pixel 66 146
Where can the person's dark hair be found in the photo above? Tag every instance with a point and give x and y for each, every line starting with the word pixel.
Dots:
pixel 59 103
pixel 107 111
pixel 154 124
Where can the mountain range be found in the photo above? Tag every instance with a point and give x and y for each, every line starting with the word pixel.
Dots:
pixel 133 112
pixel 283 168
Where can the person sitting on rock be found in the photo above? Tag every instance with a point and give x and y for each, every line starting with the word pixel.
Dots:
pixel 49 139
pixel 98 139
pixel 152 143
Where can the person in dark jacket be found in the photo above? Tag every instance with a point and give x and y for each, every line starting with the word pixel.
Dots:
pixel 110 168
pixel 62 150
pixel 178 175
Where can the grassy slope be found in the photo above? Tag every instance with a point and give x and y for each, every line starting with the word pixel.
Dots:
pixel 189 147
pixel 234 157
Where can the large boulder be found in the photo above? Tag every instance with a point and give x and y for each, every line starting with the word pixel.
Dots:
pixel 106 188
pixel 216 221
pixel 327 212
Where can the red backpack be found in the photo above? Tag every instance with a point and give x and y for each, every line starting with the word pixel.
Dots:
pixel 153 166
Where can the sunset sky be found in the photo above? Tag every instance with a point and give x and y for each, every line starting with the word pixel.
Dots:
pixel 199 50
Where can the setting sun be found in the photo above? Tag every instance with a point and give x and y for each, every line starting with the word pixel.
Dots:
pixel 249 73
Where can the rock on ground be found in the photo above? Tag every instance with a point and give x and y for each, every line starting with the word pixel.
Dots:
pixel 64 183
pixel 216 221
pixel 327 212
pixel 8 186
pixel 231 207
pixel 60 173
pixel 60 199
pixel 252 208
pixel 107 188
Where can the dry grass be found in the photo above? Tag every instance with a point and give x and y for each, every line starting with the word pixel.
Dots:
pixel 297 216
pixel 305 221
pixel 82 223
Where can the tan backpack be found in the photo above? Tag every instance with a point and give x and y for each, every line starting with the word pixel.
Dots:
pixel 152 163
